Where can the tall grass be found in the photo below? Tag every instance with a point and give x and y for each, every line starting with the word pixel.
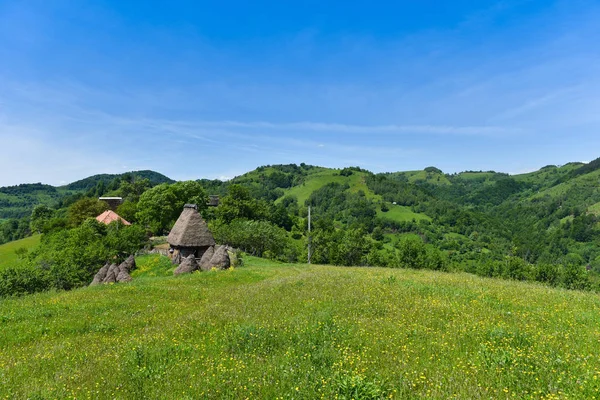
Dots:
pixel 272 331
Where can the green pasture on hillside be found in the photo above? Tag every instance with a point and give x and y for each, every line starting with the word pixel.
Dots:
pixel 268 330
pixel 7 250
pixel 594 209
pixel 547 175
pixel 583 182
pixel 318 180
pixel 401 214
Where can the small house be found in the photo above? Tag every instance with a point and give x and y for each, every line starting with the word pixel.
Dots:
pixel 213 200
pixel 113 202
pixel 190 235
pixel 109 216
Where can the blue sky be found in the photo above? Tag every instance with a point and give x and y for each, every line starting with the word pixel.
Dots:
pixel 214 89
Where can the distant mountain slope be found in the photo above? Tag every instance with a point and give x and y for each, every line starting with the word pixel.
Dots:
pixel 87 183
pixel 282 182
pixel 18 201
pixel 429 175
pixel 549 175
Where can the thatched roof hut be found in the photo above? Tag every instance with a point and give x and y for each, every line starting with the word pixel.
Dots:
pixel 190 234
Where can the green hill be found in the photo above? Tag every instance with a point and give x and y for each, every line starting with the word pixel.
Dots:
pixel 90 182
pixel 429 175
pixel 268 330
pixel 318 179
pixel 586 184
pixel 549 175
pixel 544 217
pixel 7 251
pixel 18 201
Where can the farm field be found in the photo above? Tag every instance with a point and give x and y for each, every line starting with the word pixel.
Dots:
pixel 269 330
pixel 7 250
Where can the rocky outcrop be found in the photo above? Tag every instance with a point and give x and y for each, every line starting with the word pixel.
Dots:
pixel 220 259
pixel 187 265
pixel 100 275
pixel 111 274
pixel 206 257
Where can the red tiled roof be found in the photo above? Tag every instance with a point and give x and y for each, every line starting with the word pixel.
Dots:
pixel 109 216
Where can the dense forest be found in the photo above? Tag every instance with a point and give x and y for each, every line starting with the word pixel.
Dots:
pixel 541 226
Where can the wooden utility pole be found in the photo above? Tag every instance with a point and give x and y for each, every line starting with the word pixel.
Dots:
pixel 309 237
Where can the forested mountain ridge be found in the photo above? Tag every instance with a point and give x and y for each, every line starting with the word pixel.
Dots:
pixel 18 201
pixel 155 178
pixel 550 215
pixel 485 222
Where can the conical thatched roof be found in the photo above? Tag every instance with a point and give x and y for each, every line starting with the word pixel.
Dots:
pixel 190 230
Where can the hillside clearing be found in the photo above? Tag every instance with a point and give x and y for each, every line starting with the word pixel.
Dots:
pixel 319 179
pixel 8 256
pixel 401 214
pixel 271 330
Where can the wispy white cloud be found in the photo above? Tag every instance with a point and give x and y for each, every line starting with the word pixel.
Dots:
pixel 365 129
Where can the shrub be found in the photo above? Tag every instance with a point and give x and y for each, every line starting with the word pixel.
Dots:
pixel 434 259
pixel 411 253
pixel 23 279
pixel 547 273
pixel 257 238
pixel 575 277
pixel 516 268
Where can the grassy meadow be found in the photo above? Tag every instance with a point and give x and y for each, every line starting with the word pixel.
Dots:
pixel 401 213
pixel 268 330
pixel 7 250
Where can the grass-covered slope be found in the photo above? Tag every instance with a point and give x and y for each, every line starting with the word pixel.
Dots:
pixel 549 175
pixel 585 185
pixel 401 213
pixel 303 332
pixel 317 180
pixel 356 182
pixel 8 256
